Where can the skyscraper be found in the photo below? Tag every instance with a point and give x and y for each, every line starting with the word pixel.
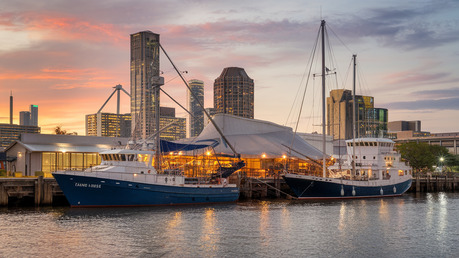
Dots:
pixel 234 93
pixel 29 118
pixel 196 120
pixel 144 77
pixel 24 118
pixel 34 115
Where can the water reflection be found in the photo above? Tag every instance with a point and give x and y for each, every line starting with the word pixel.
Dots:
pixel 209 236
pixel 342 217
pixel 443 212
pixel 285 219
pixel 410 226
pixel 264 222
pixel 383 210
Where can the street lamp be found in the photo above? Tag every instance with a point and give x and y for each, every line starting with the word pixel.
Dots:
pixel 441 163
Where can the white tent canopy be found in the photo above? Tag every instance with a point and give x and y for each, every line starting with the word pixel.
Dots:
pixel 252 138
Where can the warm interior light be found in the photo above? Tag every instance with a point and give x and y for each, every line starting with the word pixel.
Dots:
pixel 263 155
pixel 208 153
pixel 284 156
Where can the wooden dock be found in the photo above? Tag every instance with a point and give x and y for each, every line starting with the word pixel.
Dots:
pixel 435 184
pixel 36 191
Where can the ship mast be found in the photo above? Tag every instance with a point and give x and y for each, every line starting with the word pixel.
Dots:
pixel 322 26
pixel 354 57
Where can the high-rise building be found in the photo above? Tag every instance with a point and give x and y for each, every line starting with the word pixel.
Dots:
pixel 34 115
pixel 370 121
pixel 234 93
pixel 144 78
pixel 29 117
pixel 11 132
pixel 113 125
pixel 196 118
pixel 173 128
pixel 24 118
pixel 108 124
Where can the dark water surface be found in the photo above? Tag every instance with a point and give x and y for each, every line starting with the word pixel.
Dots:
pixel 424 225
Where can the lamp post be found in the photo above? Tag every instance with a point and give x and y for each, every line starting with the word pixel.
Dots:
pixel 441 163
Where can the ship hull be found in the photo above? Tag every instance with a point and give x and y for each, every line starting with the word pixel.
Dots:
pixel 85 191
pixel 314 188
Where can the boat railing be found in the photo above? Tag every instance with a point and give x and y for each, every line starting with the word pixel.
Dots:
pixel 135 177
pixel 386 177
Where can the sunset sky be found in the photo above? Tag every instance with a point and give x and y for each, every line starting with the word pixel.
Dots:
pixel 65 56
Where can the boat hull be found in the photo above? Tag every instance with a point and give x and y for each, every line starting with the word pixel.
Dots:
pixel 86 191
pixel 313 188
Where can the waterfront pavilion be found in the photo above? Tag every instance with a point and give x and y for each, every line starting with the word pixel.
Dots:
pixel 50 152
pixel 266 147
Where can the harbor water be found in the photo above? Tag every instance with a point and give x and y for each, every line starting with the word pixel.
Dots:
pixel 421 225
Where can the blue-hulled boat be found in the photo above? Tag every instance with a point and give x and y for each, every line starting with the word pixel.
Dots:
pixel 128 178
pixel 379 172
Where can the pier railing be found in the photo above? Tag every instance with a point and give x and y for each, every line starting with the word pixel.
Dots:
pixel 435 183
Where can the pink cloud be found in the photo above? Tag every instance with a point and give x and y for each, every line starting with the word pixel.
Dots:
pixel 55 26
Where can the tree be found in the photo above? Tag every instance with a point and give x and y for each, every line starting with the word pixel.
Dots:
pixel 422 156
pixel 452 163
pixel 59 130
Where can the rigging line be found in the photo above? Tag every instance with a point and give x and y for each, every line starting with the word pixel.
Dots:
pixel 363 81
pixel 201 105
pixel 305 88
pixel 311 57
pixel 274 188
pixel 332 59
pixel 177 103
pixel 340 40
pixel 311 184
pixel 315 162
pixel 347 74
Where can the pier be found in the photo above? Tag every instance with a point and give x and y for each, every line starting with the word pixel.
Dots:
pixel 435 184
pixel 38 191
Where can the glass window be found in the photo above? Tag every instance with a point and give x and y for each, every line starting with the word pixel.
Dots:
pixel 46 162
pixel 76 161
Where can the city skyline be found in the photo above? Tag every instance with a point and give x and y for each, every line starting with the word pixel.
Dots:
pixel 66 59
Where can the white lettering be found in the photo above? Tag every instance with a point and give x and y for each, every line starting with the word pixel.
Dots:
pixel 88 185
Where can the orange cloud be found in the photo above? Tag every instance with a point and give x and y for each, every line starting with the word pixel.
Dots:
pixel 54 26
